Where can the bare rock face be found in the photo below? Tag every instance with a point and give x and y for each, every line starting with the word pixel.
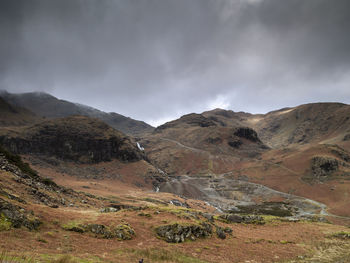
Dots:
pixel 74 138
pixel 247 133
pixel 241 134
pixel 324 166
pixel 178 233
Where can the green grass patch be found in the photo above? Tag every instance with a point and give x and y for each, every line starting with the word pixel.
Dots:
pixel 74 226
pixel 9 258
pixel 48 258
pixel 5 224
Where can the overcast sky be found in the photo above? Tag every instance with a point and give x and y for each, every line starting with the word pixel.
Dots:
pixel 155 60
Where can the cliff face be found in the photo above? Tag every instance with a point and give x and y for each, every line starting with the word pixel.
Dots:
pixel 74 138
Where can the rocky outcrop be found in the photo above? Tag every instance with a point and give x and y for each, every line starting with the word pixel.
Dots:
pixel 179 203
pixel 247 133
pixel 178 233
pixel 120 232
pixel 77 138
pixel 324 166
pixel 246 219
pixel 281 209
pixel 221 232
pixel 244 134
pixel 15 216
pixel 42 190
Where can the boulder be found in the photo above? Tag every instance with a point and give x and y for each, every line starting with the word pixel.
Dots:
pixel 220 232
pixel 177 233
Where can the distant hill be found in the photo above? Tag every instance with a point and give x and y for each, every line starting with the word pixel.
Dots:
pixel 48 106
pixel 308 123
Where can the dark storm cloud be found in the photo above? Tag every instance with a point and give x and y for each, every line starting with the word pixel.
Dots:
pixel 157 59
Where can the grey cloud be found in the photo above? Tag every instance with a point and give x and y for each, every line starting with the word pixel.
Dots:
pixel 158 59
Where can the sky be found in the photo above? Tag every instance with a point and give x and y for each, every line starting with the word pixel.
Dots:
pixel 155 60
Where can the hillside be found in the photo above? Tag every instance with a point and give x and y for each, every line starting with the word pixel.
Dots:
pixel 194 144
pixel 75 138
pixel 206 182
pixel 45 222
pixel 309 123
pixel 213 152
pixel 15 116
pixel 46 105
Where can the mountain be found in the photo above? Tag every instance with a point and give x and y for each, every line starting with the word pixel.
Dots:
pixel 195 144
pixel 46 105
pixel 212 181
pixel 308 123
pixel 15 116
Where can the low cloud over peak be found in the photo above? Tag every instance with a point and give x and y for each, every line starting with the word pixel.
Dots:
pixel 154 60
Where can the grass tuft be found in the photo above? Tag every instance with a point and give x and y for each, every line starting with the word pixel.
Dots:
pixel 7 258
pixel 158 255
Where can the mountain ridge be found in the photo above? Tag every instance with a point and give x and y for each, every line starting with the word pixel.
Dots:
pixel 46 105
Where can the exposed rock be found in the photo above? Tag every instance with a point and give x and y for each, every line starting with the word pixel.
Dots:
pixel 74 138
pixel 43 190
pixel 177 233
pixel 208 216
pixel 228 230
pixel 124 232
pixel 235 142
pixel 247 133
pixel 179 203
pixel 346 137
pixel 247 219
pixel 121 232
pixel 14 215
pixel 324 166
pixel 281 209
pixel 108 210
pixel 220 232
pixel 341 153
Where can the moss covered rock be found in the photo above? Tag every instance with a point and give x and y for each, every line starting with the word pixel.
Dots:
pixel 177 233
pixel 121 232
pixel 14 216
